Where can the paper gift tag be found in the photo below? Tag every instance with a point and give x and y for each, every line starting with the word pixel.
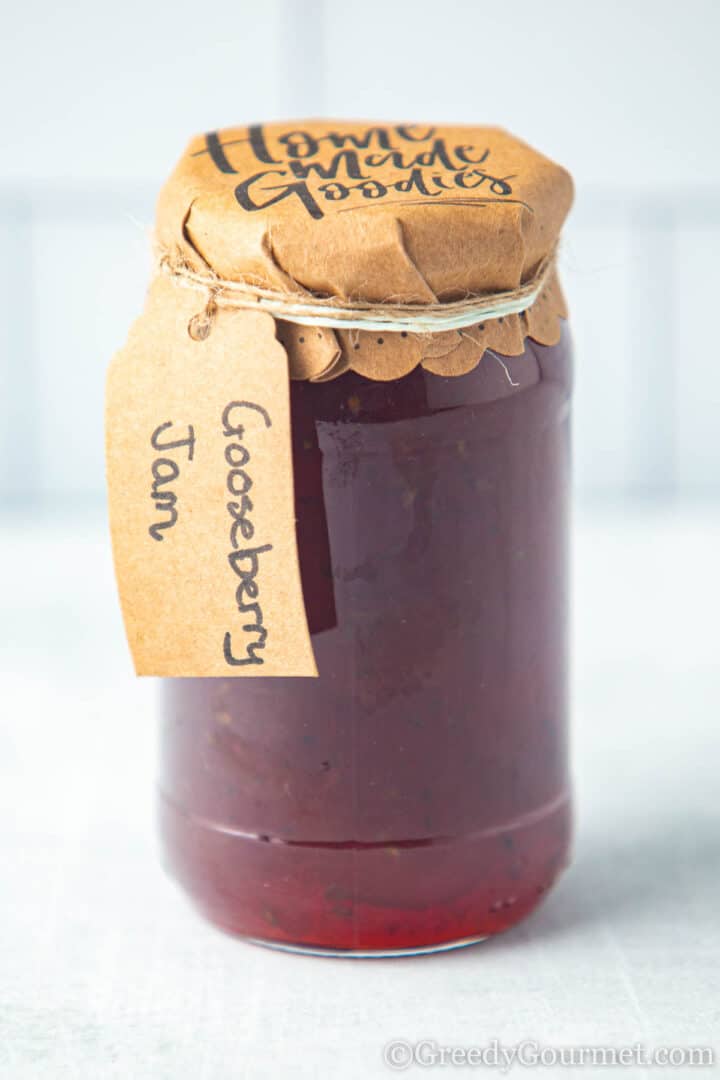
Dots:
pixel 200 485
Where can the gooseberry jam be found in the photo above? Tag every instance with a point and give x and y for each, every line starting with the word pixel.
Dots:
pixel 415 795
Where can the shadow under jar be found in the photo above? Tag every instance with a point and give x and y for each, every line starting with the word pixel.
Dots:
pixel 415 795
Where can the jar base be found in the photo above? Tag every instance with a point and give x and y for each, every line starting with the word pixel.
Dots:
pixel 368 954
pixel 381 902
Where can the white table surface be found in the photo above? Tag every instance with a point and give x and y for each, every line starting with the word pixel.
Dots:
pixel 105 972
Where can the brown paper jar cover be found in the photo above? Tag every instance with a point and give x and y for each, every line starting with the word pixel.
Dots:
pixel 361 211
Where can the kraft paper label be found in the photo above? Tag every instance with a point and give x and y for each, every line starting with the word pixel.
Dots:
pixel 201 494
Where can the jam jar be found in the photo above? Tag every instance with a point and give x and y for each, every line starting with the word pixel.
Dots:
pixel 384 297
pixel 415 795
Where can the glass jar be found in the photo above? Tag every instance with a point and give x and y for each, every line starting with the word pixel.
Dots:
pixel 415 795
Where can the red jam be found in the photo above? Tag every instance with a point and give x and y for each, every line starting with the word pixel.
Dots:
pixel 416 793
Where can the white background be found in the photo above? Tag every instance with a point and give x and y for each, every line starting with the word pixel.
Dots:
pixel 103 970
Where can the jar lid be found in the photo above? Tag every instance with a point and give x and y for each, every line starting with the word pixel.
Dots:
pixel 374 213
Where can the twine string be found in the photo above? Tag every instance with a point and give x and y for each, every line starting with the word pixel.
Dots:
pixel 336 313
